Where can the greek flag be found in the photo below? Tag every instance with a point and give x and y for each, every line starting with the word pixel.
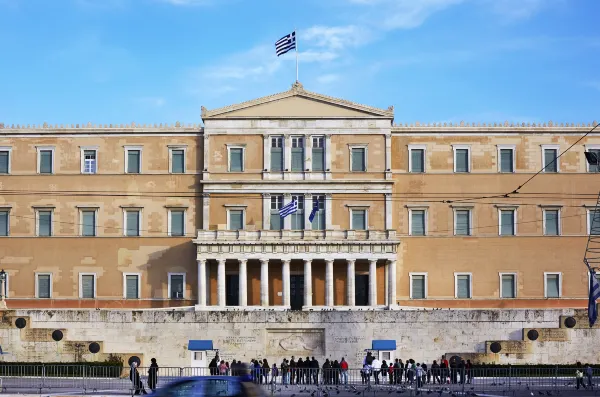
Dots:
pixel 594 295
pixel 288 209
pixel 314 210
pixel 285 44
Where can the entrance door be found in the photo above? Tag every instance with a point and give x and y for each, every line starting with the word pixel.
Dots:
pixel 362 290
pixel 232 290
pixel 296 291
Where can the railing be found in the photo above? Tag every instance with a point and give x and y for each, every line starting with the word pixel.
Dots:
pixel 277 235
pixel 323 382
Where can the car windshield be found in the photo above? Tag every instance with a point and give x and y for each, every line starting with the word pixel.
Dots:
pixel 204 388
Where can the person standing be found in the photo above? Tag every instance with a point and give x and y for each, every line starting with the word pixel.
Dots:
pixel 376 366
pixel 153 375
pixel 579 376
pixel 590 375
pixel 134 375
pixel 344 370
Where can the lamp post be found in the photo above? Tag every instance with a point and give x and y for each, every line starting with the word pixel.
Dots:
pixel 3 289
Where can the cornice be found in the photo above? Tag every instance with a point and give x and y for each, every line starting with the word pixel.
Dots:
pixel 505 126
pixel 90 128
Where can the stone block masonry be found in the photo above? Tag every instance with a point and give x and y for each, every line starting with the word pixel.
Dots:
pixel 419 334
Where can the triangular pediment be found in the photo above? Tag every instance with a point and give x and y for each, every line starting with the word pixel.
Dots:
pixel 297 103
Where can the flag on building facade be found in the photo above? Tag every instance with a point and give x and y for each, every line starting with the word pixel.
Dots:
pixel 314 210
pixel 288 209
pixel 594 295
pixel 285 44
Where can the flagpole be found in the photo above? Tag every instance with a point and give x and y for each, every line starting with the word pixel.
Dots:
pixel 296 33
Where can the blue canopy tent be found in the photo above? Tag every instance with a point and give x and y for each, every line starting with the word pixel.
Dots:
pixel 382 345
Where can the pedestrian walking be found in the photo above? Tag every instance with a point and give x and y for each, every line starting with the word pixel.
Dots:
pixel 134 376
pixel 579 376
pixel 590 375
pixel 153 375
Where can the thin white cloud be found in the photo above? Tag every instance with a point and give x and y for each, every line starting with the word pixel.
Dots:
pixel 336 37
pixel 518 9
pixel 328 78
pixel 595 84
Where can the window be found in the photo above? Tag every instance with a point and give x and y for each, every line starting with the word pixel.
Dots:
pixel 88 223
pixel 177 223
pixel 552 222
pixel 462 222
pixel 277 153
pixel 462 285
pixel 4 222
pixel 177 285
pixel 418 285
pixel 358 159
pixel 508 287
pixel 235 219
pixel 552 285
pixel 5 160
pixel 358 219
pixel 276 204
pixel 87 285
pixel 462 158
pixel 417 222
pixel 297 153
pixel 88 160
pixel 593 222
pixel 506 158
pixel 132 223
pixel 45 160
pixel 318 153
pixel 298 216
pixel 133 160
pixel 44 223
pixel 508 222
pixel 588 148
pixel 318 222
pixel 43 285
pixel 416 158
pixel 550 158
pixel 177 155
pixel 131 286
pixel 236 159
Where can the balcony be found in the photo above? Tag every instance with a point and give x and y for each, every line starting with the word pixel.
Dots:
pixel 296 236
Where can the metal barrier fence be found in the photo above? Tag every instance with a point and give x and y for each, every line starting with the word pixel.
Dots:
pixel 322 382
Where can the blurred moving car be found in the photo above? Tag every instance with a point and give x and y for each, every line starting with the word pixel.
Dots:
pixel 212 386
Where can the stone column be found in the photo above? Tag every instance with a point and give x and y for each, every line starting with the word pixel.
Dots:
pixel 243 286
pixel 350 283
pixel 285 275
pixel 329 282
pixel 221 283
pixel 307 282
pixel 392 282
pixel 201 282
pixel 372 282
pixel 264 282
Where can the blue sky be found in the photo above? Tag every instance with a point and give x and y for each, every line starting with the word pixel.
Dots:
pixel 152 61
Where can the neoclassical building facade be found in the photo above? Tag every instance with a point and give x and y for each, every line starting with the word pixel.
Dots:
pixel 420 215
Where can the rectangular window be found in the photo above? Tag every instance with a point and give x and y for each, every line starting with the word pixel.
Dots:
pixel 4 223
pixel 277 153
pixel 4 161
pixel 550 160
pixel 177 223
pixel 44 220
pixel 463 286
pixel 591 167
pixel 318 153
pixel 552 285
pixel 462 219
pixel 507 159
pixel 236 219
pixel 132 223
pixel 44 286
pixel 551 222
pixel 358 159
pixel 134 157
pixel 358 219
pixel 462 159
pixel 297 153
pixel 236 159
pixel 507 222
pixel 89 161
pixel 416 160
pixel 594 222
pixel 298 216
pixel 132 282
pixel 177 161
pixel 46 162
pixel 508 288
pixel 88 286
pixel 88 223
pixel 176 286
pixel 318 222
pixel 276 204
pixel 417 222
pixel 418 286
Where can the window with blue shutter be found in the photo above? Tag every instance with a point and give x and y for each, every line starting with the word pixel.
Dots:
pixel 177 161
pixel 177 223
pixel 318 153
pixel 417 222
pixel 508 286
pixel 594 222
pixel 277 153
pixel 463 286
pixel 44 223
pixel 177 286
pixel 88 223
pixel 461 160
pixel 463 223
pixel 418 286
pixel 87 286
pixel 133 223
pixel 551 218
pixel 236 219
pixel 507 223
pixel 4 219
pixel 133 161
pixel 46 162
pixel 131 287
pixel 236 159
pixel 358 161
pixel 359 220
pixel 550 160
pixel 43 285
pixel 552 286
pixel 276 221
pixel 417 160
pixel 4 159
pixel 506 160
pixel 297 153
